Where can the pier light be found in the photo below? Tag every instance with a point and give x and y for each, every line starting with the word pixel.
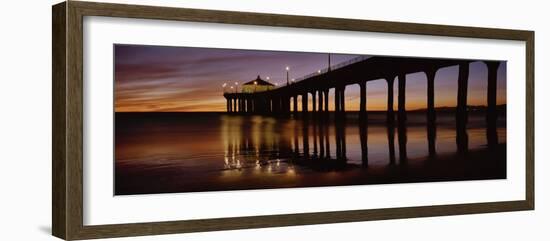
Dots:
pixel 267 77
pixel 319 71
pixel 231 87
pixel 236 86
pixel 224 84
pixel 287 69
pixel 255 82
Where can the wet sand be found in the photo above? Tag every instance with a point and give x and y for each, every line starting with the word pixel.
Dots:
pixel 477 165
pixel 215 152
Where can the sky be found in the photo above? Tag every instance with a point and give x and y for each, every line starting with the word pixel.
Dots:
pixel 188 79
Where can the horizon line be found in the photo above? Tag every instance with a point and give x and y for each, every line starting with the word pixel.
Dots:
pixel 447 108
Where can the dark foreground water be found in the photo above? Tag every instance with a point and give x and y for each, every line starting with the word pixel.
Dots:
pixel 190 152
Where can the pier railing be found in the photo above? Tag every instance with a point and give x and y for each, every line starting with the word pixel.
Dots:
pixel 333 67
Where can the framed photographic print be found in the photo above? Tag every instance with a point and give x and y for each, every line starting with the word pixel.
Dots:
pixel 170 120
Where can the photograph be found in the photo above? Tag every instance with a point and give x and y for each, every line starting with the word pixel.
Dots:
pixel 194 119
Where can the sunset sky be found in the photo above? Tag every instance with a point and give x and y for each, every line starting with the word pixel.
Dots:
pixel 181 79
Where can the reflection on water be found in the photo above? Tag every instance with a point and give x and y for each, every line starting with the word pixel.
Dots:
pixel 181 152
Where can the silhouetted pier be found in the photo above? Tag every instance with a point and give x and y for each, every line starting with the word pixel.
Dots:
pixel 283 101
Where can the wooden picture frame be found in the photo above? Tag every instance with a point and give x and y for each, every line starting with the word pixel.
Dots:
pixel 67 159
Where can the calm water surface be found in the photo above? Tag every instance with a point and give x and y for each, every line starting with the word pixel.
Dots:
pixel 188 152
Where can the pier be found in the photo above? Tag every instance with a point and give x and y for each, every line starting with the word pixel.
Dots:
pixel 283 101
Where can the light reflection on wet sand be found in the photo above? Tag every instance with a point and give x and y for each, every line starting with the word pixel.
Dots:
pixel 180 152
